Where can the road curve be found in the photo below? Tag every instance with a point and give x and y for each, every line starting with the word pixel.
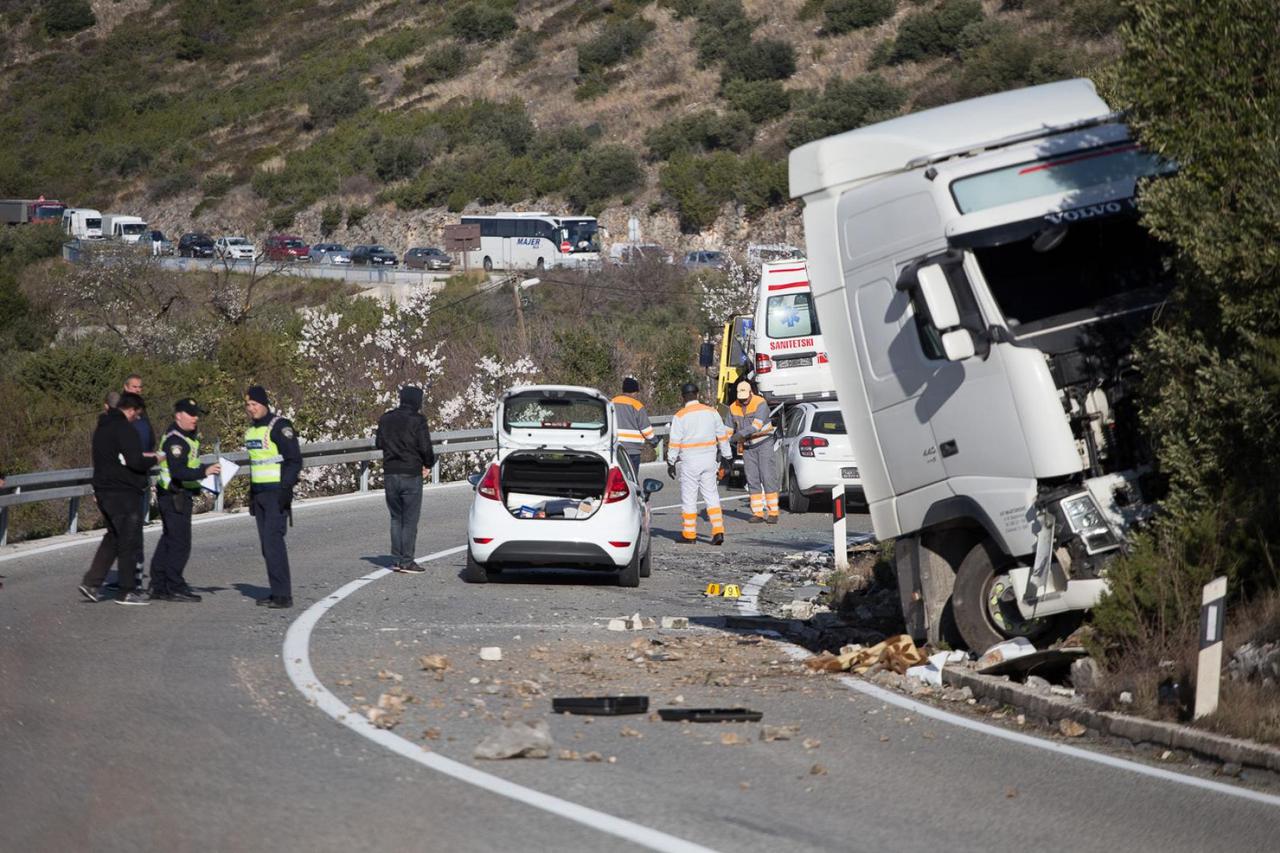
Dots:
pixel 177 727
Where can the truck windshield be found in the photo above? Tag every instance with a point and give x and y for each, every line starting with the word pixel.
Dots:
pixel 1086 270
pixel 581 234
pixel 790 315
pixel 133 229
pixel 48 211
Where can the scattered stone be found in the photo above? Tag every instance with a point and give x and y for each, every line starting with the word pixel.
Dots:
pixel 528 688
pixel 1166 755
pixel 1255 661
pixel 382 718
pixel 661 655
pixel 1070 728
pixel 817 770
pixel 677 622
pixel 617 624
pixel 516 740
pixel 613 759
pixel 431 734
pixel 388 675
pixel 1037 683
pixel 1126 698
pixel 1231 768
pixel 677 700
pixel 1085 674
pixel 393 703
pixel 592 756
pixel 491 653
pixel 637 623
pixel 473 680
pixel 772 733
pixel 1021 719
pixel 568 755
pixel 344 682
pixel 812 743
pixel 731 739
pixel 627 731
pixel 434 663
pixel 1058 690
pixel 1010 793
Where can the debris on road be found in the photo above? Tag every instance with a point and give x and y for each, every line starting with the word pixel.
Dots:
pixel 491 653
pixel 388 675
pixel 601 706
pixel 811 743
pixel 1070 728
pixel 1086 675
pixel 516 740
pixel 676 622
pixel 434 663
pixel 772 733
pixel 931 672
pixel 617 624
pixel 1007 650
pixel 731 739
pixel 817 770
pixel 710 715
pixel 896 653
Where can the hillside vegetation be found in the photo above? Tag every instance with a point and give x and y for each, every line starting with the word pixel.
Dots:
pixel 243 113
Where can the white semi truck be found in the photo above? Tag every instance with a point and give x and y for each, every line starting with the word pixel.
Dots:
pixel 981 277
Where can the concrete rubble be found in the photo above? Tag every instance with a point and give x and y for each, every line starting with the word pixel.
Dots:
pixel 516 740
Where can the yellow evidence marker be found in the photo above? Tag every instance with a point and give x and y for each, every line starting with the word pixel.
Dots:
pixel 713 589
pixel 732 591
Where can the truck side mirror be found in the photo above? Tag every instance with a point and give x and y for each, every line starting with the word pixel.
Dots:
pixel 958 345
pixel 938 298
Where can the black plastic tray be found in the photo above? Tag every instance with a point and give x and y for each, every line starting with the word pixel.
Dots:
pixel 710 715
pixel 600 706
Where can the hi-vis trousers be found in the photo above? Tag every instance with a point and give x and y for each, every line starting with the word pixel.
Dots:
pixel 698 475
pixel 760 466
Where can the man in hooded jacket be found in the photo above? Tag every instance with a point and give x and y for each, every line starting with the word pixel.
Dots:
pixel 405 443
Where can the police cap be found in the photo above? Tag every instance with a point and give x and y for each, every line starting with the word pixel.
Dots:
pixel 188 406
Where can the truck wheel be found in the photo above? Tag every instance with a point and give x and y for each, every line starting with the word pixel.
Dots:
pixel 983 605
pixel 630 576
pixel 797 501
pixel 646 562
pixel 474 572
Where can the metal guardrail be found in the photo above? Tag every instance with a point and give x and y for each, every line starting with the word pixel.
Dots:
pixel 72 484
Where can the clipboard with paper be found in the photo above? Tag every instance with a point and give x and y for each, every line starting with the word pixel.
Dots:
pixel 213 483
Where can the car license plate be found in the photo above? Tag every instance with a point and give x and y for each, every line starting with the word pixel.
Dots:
pixel 796 362
pixel 849 473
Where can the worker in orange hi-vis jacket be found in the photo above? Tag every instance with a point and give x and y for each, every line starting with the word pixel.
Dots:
pixel 751 424
pixel 634 431
pixel 700 443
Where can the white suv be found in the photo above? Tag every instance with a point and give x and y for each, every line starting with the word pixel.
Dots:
pixel 815 454
pixel 560 492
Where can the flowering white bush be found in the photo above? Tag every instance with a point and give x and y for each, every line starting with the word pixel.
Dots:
pixel 473 407
pixel 722 295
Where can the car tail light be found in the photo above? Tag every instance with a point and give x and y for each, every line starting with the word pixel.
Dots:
pixel 616 487
pixel 482 540
pixel 764 364
pixel 620 544
pixel 489 486
pixel 809 442
pixel 822 358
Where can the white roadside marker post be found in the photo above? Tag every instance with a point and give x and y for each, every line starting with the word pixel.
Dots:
pixel 841 551
pixel 1213 612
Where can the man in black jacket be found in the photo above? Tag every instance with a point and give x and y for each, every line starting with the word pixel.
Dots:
pixel 405 443
pixel 120 470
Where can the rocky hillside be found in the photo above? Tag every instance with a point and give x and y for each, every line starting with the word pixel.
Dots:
pixel 384 119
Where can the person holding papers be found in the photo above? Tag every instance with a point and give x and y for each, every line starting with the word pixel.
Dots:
pixel 176 488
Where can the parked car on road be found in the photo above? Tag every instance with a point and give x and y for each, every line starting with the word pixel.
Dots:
pixel 287 247
pixel 330 253
pixel 815 454
pixel 427 258
pixel 373 255
pixel 153 237
pixel 706 259
pixel 195 245
pixel 560 491
pixel 234 249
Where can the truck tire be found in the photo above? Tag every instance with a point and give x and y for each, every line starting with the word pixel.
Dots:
pixel 797 501
pixel 646 562
pixel 474 572
pixel 982 604
pixel 630 575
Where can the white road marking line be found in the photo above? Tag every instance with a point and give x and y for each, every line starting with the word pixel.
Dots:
pixel 297 661
pixel 750 608
pixel 93 536
pixel 749 603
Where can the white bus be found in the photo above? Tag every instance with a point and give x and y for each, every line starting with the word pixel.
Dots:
pixel 534 241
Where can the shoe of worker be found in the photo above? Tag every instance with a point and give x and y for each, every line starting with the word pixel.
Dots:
pixel 756 519
pixel 717 539
pixel 265 602
pixel 410 568
pixel 134 599
pixel 280 604
pixel 90 593
pixel 773 519
pixel 184 595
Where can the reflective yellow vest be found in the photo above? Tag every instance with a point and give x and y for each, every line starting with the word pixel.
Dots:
pixel 264 455
pixel 193 461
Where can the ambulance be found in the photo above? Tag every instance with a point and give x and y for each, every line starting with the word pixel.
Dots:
pixel 791 363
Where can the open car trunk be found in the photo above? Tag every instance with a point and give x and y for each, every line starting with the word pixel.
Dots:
pixel 555 484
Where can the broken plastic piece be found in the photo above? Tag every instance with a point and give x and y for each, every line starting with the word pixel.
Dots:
pixel 710 715
pixel 600 706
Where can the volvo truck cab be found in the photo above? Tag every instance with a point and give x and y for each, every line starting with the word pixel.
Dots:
pixel 981 277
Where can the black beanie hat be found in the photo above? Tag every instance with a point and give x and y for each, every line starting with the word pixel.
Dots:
pixel 630 385
pixel 258 394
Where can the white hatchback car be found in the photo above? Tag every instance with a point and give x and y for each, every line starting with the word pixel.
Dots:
pixel 815 454
pixel 560 492
pixel 234 249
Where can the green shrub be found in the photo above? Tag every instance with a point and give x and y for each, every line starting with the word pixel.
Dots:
pixel 355 215
pixel 935 32
pixel 584 358
pixel 845 105
pixel 723 29
pixel 594 85
pixel 619 40
pixel 63 17
pixel 765 59
pixel 698 186
pixel 761 100
pixel 329 103
pixel 524 49
pixel 330 219
pixel 1000 59
pixel 604 172
pixel 705 131
pixel 439 64
pixel 842 16
pixel 397 157
pixel 482 22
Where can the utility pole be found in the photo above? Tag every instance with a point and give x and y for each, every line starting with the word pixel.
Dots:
pixel 517 291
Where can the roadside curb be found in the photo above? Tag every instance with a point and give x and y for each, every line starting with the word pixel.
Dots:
pixel 1205 744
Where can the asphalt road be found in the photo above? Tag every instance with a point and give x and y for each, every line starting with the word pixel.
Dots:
pixel 175 727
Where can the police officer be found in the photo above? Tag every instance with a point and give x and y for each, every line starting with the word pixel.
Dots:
pixel 634 431
pixel 697 434
pixel 275 461
pixel 751 425
pixel 176 489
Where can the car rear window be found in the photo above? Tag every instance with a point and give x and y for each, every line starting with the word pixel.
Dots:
pixel 828 423
pixel 551 410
